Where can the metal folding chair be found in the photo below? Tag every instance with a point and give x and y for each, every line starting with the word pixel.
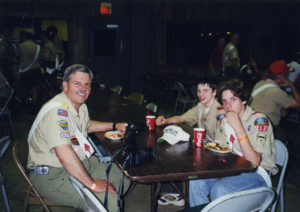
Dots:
pixel 257 199
pixel 151 106
pixel 91 200
pixel 138 98
pixel 182 97
pixel 282 156
pixel 4 111
pixel 4 143
pixel 118 89
pixel 20 155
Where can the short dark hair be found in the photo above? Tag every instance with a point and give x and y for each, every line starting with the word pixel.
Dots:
pixel 76 68
pixel 237 87
pixel 212 82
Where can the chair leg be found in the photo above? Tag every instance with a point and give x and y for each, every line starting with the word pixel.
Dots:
pixel 132 186
pixel 183 109
pixel 281 201
pixel 27 198
pixel 5 198
pixel 175 106
pixel 11 125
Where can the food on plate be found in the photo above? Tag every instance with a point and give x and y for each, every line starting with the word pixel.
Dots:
pixel 217 147
pixel 113 135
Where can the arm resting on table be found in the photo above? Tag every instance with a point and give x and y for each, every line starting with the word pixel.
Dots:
pixel 75 168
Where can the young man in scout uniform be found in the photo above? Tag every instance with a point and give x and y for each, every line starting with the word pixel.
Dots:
pixel 57 141
pixel 250 135
pixel 206 115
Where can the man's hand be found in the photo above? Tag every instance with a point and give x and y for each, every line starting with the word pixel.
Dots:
pixel 234 121
pixel 160 121
pixel 101 186
pixel 121 127
pixel 284 82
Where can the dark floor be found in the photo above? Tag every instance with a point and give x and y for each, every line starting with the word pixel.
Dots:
pixel 138 200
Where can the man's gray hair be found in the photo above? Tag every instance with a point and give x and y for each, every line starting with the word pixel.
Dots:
pixel 76 68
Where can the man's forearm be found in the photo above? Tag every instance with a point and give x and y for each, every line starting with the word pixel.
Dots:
pixel 174 120
pixel 72 164
pixel 98 126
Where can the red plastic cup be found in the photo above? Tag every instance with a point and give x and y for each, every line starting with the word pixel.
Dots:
pixel 199 136
pixel 150 121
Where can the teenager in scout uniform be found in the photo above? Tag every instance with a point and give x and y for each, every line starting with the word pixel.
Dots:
pixel 57 141
pixel 250 135
pixel 204 114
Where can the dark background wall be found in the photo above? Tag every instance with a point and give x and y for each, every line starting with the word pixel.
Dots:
pixel 165 35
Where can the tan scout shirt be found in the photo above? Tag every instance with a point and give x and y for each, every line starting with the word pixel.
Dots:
pixel 260 133
pixel 206 119
pixel 270 101
pixel 27 54
pixel 54 130
pixel 49 52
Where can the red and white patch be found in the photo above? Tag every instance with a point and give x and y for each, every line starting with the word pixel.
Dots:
pixel 232 139
pixel 263 128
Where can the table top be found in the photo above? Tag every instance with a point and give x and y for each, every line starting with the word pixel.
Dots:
pixel 176 162
pixel 172 162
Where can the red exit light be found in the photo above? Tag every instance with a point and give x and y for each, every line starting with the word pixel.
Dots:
pixel 105 8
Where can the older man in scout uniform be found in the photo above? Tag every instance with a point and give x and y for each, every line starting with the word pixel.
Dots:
pixel 250 135
pixel 206 115
pixel 57 142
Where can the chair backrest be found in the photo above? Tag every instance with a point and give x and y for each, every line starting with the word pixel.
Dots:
pixel 182 93
pixel 153 107
pixel 7 98
pixel 138 98
pixel 92 202
pixel 282 156
pixel 20 155
pixel 117 89
pixel 257 199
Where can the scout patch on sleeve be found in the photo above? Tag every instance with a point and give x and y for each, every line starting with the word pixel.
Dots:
pixel 220 108
pixel 62 112
pixel 232 139
pixel 64 135
pixel 262 137
pixel 263 127
pixel 261 120
pixel 62 124
pixel 249 128
pixel 221 116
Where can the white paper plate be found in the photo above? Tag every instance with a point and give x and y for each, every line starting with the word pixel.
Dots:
pixel 114 135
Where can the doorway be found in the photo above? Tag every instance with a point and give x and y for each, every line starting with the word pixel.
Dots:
pixel 105 54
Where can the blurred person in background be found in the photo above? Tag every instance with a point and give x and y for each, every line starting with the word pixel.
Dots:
pixel 29 69
pixel 215 59
pixel 231 59
pixel 269 98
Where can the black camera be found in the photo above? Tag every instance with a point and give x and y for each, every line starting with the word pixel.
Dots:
pixel 131 151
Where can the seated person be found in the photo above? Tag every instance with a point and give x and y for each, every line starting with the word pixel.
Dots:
pixel 57 139
pixel 250 135
pixel 205 115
